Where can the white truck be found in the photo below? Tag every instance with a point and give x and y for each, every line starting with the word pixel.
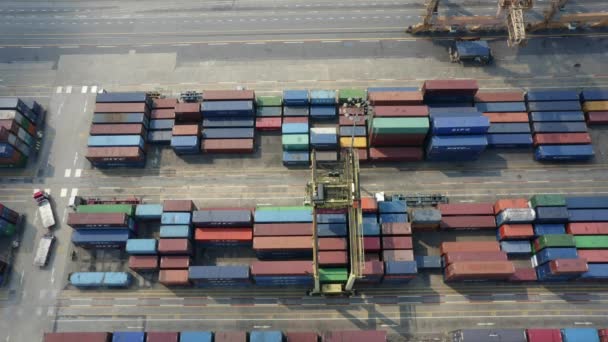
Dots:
pixel 44 249
pixel 45 209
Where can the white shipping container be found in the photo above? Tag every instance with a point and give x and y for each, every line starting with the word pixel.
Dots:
pixel 515 216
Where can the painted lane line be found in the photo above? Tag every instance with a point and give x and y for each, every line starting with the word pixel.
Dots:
pixel 67 173
pixel 59 90
pixel 78 173
pixel 93 89
pixel 74 192
pixel 84 89
pixel 64 192
pixel 68 89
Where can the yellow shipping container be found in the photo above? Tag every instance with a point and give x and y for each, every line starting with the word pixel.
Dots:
pixel 594 106
pixel 359 142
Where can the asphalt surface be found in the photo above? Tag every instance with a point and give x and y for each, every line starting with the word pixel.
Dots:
pixel 62 53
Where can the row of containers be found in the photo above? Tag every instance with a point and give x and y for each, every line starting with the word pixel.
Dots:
pixel 226 336
pixel 566 238
pixel 19 125
pixel 446 120
pixel 9 221
pixel 530 335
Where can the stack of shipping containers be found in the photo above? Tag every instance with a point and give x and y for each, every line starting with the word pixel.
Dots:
pixel 399 126
pixel 458 129
pixel 8 221
pixel 85 280
pixel 332 231
pixel 352 122
pixel 185 132
pixel 102 225
pixel 295 138
pixel 509 122
pixel 149 261
pixel 475 260
pixel 223 227
pixel 397 243
pixel 175 250
pixel 18 124
pixel 162 119
pixel 269 111
pixel 373 270
pixel 228 121
pixel 560 131
pixel 467 216
pixel 595 105
pixel 119 130
pixel 323 132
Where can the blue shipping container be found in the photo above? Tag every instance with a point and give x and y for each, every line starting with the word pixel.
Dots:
pixel 435 112
pixel 295 111
pixel 516 247
pixel 588 215
pixel 161 124
pixel 509 140
pixel 543 273
pixel 549 228
pixel 323 111
pixel 208 273
pixel 278 216
pixel 228 133
pixel 548 254
pixel 580 335
pixel 564 152
pixel 122 97
pixel 509 128
pixel 400 268
pixel 332 229
pixel 587 202
pixel 159 137
pixel 460 125
pixel 331 218
pixel 175 231
pixel 6 150
pixel 554 106
pixel 371 228
pixel 296 158
pixel 269 111
pixel 596 271
pixel 117 279
pixel 594 95
pixel 391 218
pixel 227 122
pixel 227 108
pixel 128 336
pixel 195 336
pixel 551 214
pixel 87 279
pixel 347 131
pixel 559 127
pixel 222 218
pixel 428 261
pixel 176 218
pixel 101 238
pixel 141 246
pixel 320 139
pixel 149 211
pixel 498 107
pixel 557 116
pixel 552 95
pixel 295 97
pixel 294 128
pixel 265 336
pixel 397 207
pixel 322 97
pixel 469 143
pixel 116 141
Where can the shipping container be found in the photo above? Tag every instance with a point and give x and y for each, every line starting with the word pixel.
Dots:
pixel 463 270
pixel 162 114
pixel 158 125
pixel 230 336
pixel 527 274
pixel 460 209
pixel 333 244
pixel 468 144
pixel 397 255
pixel 390 218
pixel 122 97
pixel 468 222
pixel 265 336
pixel 396 268
pixel 118 129
pixel 174 246
pixel 466 255
pixel 228 122
pixel 393 140
pixel 281 268
pixel 489 335
pixel 116 141
pixel 162 336
pixel 587 228
pixel 392 207
pixel 195 336
pixel 227 145
pixel 130 336
pixel 118 118
pixel 101 238
pixel 178 206
pixel 228 95
pixel 192 130
pixel 294 128
pixel 148 211
pixel 597 118
pixel 580 335
pixel 173 278
pixel 396 228
pixel 508 96
pixel 460 125
pixel 179 218
pixel 559 127
pixel 516 246
pixel 497 107
pixel 175 262
pixel 141 246
pixel 295 98
pixel 510 140
pixel 397 242
pixel 591 242
pixel 98 220
pixel 376 89
pixel 508 117
pixel 552 95
pixel 371 243
pixel 332 258
pixel 13 103
pixel 323 112
pixel 269 111
pixel 395 154
pixel 552 214
pixel 513 203
pixel 469 246
pixel 164 103
pixel 296 158
pixel 459 87
pixel 568 266
pixel 355 336
pixel 283 214
pixel 282 243
pixel 594 95
pixel 515 215
pixel 562 139
pixel 564 152
pixel 548 254
pixel 175 232
pixel 105 108
pixel 269 101
pixel 516 231
pixel 222 218
pixel 282 229
pixel 588 215
pixel 587 202
pixel 557 116
pixel 357 131
pixel 127 209
pixel 596 272
pixel 509 128
pixel 344 94
pixel 223 236
pixel 555 106
pixel 395 98
pixel 203 274
pixel 428 261
pixel 77 337
pixel 401 111
pixel 331 229
pixel 549 228
pixel 554 240
pixel 143 262
pixel 296 111
pixel 411 125
pixel 160 137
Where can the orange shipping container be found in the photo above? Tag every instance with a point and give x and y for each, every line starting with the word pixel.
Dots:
pixel 594 255
pixel 282 242
pixel 333 258
pixel 186 130
pixel 507 96
pixel 397 228
pixel 587 228
pixel 568 266
pixel 164 103
pixel 453 257
pixel 398 255
pixel 395 98
pixel 174 262
pixel 223 234
pixel 597 106
pixel 507 117
pixel 369 205
pixel 469 246
pixel 143 262
pixel 479 270
pixel 508 203
pixel 562 138
pixel 173 277
pixel 158 114
pixel 516 231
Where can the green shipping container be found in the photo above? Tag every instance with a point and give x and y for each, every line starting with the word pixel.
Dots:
pixel 548 201
pixel 295 142
pixel 400 125
pixel 22 162
pixel 287 208
pixel 9 230
pixel 554 240
pixel 106 208
pixel 346 93
pixel 591 242
pixel 269 101
pixel 332 275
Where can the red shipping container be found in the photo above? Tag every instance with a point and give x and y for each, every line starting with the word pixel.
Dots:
pixel 507 96
pixel 469 246
pixel 332 244
pixel 230 336
pixel 597 118
pixel 186 130
pixel 238 235
pixel 295 119
pixel 228 95
pixel 174 262
pixel 371 244
pixel 450 87
pixel 372 256
pixel 397 228
pixel 174 246
pixel 301 337
pixel 468 222
pixel 452 257
pixel 401 111
pixel 568 266
pixel 269 243
pixel 562 138
pixel 268 123
pixel 479 270
pixel 395 154
pixel 162 114
pixel 390 140
pixel 173 278
pixel 117 129
pixel 587 228
pixel 227 145
pixel 96 220
pixel 333 258
pixel 524 274
pixel 121 108
pixel 369 205
pixel 362 154
pixel 513 117
pixel 77 337
pixel 460 209
pixel 164 103
pixel 516 231
pixel 602 332
pixel 395 98
pixel 178 206
pixel 373 268
pixel 398 255
pixel 348 121
pixel 511 203
pixel 594 255
pixel 281 268
pixel 143 262
pixel 282 229
pixel 397 242
pixel 154 336
pixel 188 112
pixel 355 336
pixel 357 111
pixel 544 335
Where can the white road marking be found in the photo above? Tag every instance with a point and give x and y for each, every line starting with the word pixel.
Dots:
pixel 68 173
pixel 48 191
pixel 64 192
pixel 84 89
pixel 100 91
pixel 35 191
pixel 68 89
pixel 74 192
pixel 59 90
pixel 78 173
pixel 53 276
pixel 485 324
